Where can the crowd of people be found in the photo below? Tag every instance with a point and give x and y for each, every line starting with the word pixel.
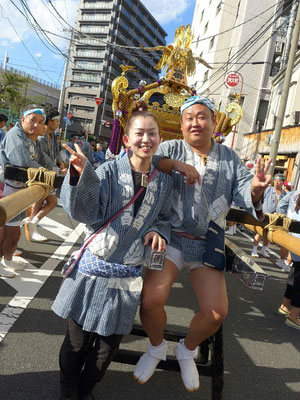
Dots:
pixel 156 201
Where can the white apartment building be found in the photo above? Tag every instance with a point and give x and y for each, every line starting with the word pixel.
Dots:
pixel 105 32
pixel 244 36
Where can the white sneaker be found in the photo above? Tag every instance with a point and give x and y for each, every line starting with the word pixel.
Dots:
pixel 13 265
pixel 254 254
pixel 5 273
pixel 38 237
pixel 286 267
pixel 29 228
pixel 280 263
pixel 188 368
pixel 18 253
pixel 264 253
pixel 230 231
pixel 146 365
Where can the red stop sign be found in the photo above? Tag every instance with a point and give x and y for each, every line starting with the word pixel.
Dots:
pixel 69 115
pixel 232 79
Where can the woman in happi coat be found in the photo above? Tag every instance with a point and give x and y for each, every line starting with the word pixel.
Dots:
pixel 101 294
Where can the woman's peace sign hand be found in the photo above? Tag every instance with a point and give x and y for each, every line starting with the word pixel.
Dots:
pixel 77 158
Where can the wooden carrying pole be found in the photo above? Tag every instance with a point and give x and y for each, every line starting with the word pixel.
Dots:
pixel 279 237
pixel 15 203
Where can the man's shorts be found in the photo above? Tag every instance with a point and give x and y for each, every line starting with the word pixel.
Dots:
pixel 9 188
pixel 176 256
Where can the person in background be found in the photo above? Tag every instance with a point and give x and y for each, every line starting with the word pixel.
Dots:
pixel 19 148
pixel 290 206
pixel 3 121
pixel 84 145
pixel 104 147
pixel 99 154
pixel 9 126
pixel 287 187
pixel 272 195
pixel 49 145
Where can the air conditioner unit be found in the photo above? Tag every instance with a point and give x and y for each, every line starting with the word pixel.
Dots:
pixel 296 117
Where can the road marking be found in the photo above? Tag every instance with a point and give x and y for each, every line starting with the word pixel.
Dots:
pixel 29 282
pixel 55 227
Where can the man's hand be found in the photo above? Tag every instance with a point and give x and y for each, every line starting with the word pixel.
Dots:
pixel 261 180
pixel 77 158
pixel 157 242
pixel 168 165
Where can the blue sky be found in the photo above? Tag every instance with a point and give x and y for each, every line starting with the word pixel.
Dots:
pixel 47 63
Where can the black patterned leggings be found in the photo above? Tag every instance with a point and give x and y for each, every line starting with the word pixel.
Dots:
pixel 84 358
pixel 292 292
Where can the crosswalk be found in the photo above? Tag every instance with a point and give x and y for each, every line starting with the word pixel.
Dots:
pixel 27 283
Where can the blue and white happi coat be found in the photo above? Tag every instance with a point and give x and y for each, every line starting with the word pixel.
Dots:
pixel 287 205
pixel 105 301
pixel 271 199
pixel 225 180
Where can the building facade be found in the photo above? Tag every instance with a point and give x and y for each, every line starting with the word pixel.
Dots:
pixel 104 29
pixel 245 37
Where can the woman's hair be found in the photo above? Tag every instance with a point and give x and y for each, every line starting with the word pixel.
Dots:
pixel 140 109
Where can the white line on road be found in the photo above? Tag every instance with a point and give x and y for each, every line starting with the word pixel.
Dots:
pixel 29 282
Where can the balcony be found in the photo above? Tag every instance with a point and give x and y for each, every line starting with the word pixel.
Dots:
pixel 98 4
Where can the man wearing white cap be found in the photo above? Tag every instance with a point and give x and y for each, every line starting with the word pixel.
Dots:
pixel 197 240
pixel 19 148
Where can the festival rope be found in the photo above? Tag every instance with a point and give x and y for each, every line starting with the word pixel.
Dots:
pixel 42 177
pixel 271 226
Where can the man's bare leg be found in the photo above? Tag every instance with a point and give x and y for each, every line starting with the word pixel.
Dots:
pixel 156 289
pixel 10 236
pixel 210 289
pixel 39 210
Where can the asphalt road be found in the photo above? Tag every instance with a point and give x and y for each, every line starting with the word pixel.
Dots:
pixel 262 355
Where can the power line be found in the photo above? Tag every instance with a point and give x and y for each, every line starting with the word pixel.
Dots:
pixel 242 23
pixel 24 44
pixel 246 47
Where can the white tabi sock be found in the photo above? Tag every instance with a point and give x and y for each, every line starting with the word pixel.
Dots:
pixel 148 362
pixel 189 372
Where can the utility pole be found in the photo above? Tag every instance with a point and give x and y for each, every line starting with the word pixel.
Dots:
pixel 63 86
pixel 5 61
pixel 66 125
pixel 289 33
pixel 285 92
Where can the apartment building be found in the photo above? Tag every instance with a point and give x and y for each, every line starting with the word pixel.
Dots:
pixel 244 36
pixel 103 30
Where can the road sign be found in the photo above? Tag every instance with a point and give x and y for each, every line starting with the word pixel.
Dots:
pixel 98 100
pixel 67 121
pixel 232 79
pixel 69 115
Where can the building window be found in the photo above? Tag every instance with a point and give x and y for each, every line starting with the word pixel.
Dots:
pixel 202 15
pixel 218 8
pixel 205 28
pixel 211 43
pixel 98 4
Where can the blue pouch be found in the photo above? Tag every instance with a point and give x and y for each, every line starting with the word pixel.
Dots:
pixel 214 254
